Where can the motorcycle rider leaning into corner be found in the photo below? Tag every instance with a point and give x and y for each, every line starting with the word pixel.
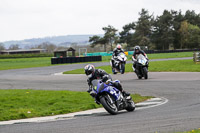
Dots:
pixel 116 51
pixel 136 52
pixel 93 74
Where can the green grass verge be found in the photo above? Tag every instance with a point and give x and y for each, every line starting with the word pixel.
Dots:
pixel 6 64
pixel 19 104
pixel 157 66
pixel 10 56
pixel 174 66
pixel 18 63
pixel 170 55
pixel 158 56
pixel 193 131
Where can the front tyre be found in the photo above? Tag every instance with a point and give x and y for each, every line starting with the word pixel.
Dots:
pixel 138 75
pixel 145 72
pixel 122 68
pixel 108 103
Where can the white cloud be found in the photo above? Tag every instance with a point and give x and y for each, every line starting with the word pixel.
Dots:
pixel 22 19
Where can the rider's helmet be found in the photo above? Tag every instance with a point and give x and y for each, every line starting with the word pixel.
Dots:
pixel 137 49
pixel 119 47
pixel 89 70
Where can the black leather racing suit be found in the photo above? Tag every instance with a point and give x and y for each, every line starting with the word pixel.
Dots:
pixel 117 51
pixel 98 74
pixel 134 57
pixel 115 54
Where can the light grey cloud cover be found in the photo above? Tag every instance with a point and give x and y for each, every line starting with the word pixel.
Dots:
pixel 22 19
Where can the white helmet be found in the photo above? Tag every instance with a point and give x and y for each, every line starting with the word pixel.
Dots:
pixel 119 47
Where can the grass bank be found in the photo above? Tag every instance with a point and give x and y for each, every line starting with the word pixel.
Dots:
pixel 11 56
pixel 19 104
pixel 159 56
pixel 18 63
pixel 6 64
pixel 157 66
pixel 192 131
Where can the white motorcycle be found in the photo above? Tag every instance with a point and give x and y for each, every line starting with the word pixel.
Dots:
pixel 119 63
pixel 141 69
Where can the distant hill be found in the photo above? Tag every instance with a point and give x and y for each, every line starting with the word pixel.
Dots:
pixel 57 40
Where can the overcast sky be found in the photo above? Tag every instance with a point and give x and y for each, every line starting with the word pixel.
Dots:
pixel 23 19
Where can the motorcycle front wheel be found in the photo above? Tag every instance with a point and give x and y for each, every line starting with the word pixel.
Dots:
pixel 122 68
pixel 145 72
pixel 108 103
pixel 138 74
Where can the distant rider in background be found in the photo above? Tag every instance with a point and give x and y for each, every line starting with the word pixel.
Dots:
pixel 116 51
pixel 136 52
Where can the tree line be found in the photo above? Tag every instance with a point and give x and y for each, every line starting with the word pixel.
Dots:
pixel 49 47
pixel 171 30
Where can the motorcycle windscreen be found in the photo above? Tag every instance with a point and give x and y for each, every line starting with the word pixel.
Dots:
pixel 121 56
pixel 141 59
pixel 140 56
pixel 96 84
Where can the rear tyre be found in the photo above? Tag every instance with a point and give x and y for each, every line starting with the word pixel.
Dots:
pixel 145 73
pixel 109 104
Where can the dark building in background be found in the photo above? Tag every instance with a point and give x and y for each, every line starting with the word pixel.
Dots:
pixel 64 52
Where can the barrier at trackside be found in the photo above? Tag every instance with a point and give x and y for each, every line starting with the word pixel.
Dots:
pixel 57 60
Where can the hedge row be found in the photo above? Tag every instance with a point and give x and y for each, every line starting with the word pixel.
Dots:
pixel 25 55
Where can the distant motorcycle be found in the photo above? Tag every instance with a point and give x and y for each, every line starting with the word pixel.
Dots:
pixel 141 69
pixel 119 63
pixel 110 97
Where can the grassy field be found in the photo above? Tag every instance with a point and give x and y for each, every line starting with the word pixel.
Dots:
pixel 157 66
pixel 193 131
pixel 19 104
pixel 159 56
pixel 174 66
pixel 170 55
pixel 11 56
pixel 6 64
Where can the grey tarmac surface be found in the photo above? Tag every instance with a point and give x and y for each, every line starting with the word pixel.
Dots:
pixel 181 113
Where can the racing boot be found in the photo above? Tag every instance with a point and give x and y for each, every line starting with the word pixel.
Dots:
pixel 125 93
pixel 133 68
pixel 119 87
pixel 93 94
pixel 89 90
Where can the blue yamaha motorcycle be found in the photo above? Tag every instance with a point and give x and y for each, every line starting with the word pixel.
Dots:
pixel 111 98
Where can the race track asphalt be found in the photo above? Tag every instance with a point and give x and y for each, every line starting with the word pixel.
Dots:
pixel 181 113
